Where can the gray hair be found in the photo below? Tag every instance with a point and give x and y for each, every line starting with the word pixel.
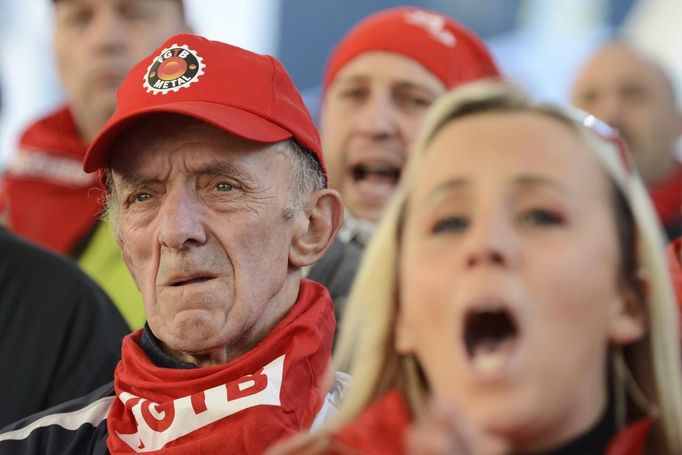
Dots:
pixel 307 177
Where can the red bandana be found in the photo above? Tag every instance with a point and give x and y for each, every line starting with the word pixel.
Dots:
pixel 243 406
pixel 50 200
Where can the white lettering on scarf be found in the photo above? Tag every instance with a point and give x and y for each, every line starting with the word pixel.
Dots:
pixel 434 24
pixel 159 424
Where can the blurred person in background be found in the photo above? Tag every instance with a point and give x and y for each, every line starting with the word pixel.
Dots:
pixel 379 80
pixel 48 199
pixel 626 88
pixel 216 190
pixel 504 202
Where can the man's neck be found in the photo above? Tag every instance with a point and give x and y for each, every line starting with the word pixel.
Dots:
pixel 277 308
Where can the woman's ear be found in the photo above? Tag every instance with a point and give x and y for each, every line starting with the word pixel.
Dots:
pixel 629 321
pixel 315 234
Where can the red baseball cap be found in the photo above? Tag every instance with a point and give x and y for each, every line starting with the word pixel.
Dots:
pixel 241 92
pixel 447 49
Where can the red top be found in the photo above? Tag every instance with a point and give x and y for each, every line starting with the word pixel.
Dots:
pixel 381 429
pixel 667 199
pixel 48 197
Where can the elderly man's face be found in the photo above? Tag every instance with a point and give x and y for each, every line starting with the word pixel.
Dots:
pixel 203 228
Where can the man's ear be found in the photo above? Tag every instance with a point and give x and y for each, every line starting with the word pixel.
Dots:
pixel 630 320
pixel 324 215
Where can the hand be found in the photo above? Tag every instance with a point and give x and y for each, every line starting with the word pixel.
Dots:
pixel 444 430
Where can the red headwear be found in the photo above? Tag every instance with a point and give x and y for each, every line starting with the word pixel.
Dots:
pixel 444 47
pixel 246 94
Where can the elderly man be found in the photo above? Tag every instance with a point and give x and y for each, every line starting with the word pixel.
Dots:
pixel 217 191
pixel 49 199
pixel 627 89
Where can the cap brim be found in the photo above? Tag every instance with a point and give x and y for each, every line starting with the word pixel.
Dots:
pixel 231 119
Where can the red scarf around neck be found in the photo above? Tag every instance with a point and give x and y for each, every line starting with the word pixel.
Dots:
pixel 243 406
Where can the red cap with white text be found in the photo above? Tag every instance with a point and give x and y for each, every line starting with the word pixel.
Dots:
pixel 241 92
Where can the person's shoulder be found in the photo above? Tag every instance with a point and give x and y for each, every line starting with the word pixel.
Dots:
pixel 378 429
pixel 55 122
pixel 75 427
pixel 36 264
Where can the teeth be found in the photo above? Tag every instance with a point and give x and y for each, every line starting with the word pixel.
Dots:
pixel 488 362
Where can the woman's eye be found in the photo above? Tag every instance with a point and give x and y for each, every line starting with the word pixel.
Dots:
pixel 142 197
pixel 451 224
pixel 224 187
pixel 542 217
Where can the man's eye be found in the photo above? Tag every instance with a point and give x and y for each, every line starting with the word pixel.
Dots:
pixel 224 187
pixel 450 224
pixel 415 101
pixel 143 197
pixel 353 94
pixel 542 217
pixel 78 18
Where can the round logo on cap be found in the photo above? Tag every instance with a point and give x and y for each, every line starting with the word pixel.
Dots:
pixel 174 68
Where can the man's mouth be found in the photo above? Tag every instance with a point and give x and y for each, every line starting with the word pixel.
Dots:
pixel 378 173
pixel 191 280
pixel 491 337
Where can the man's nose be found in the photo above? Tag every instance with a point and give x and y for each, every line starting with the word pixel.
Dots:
pixel 181 221
pixel 377 117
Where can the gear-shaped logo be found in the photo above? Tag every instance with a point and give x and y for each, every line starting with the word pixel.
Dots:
pixel 176 67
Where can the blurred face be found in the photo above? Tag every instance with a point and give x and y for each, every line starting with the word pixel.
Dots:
pixel 98 41
pixel 370 117
pixel 509 293
pixel 632 94
pixel 202 227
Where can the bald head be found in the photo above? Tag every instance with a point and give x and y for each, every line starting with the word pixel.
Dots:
pixel 631 92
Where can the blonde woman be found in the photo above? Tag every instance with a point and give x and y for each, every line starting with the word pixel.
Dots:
pixel 519 275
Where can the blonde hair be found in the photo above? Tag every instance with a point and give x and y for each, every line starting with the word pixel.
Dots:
pixel 366 343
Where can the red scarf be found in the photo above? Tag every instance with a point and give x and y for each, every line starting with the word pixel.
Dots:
pixel 243 406
pixel 381 429
pixel 667 198
pixel 49 199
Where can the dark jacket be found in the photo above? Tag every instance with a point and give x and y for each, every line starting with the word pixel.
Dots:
pixel 61 335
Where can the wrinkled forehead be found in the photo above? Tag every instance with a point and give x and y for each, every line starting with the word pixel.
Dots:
pixel 160 138
pixel 389 68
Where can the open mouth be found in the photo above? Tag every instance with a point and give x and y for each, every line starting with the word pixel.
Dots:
pixel 490 336
pixel 380 173
pixel 193 280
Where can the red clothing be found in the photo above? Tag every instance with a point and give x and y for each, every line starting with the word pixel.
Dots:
pixel 244 406
pixel 667 199
pixel 381 429
pixel 48 197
